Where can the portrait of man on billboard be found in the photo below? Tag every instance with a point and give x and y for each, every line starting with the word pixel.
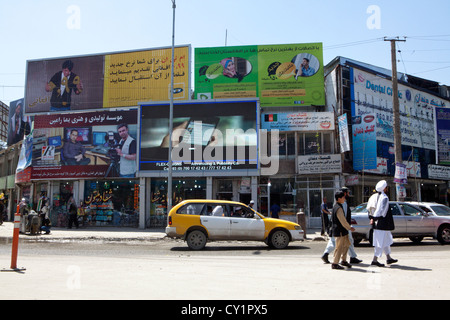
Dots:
pixel 19 125
pixel 61 85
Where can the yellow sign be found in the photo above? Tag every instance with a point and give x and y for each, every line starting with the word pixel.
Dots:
pixel 145 76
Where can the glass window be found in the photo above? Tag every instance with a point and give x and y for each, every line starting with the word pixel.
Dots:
pixel 112 202
pixel 290 144
pixel 327 145
pixel 312 143
pixel 441 210
pixel 282 145
pixel 192 208
pixel 410 211
pixel 394 209
pixel 301 144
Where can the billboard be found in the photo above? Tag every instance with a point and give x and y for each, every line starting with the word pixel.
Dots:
pixel 442 120
pixel 372 94
pixel 85 145
pixel 209 136
pixel 105 80
pixel 279 75
pixel 19 125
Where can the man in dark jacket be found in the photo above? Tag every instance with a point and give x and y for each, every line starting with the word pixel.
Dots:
pixel 339 229
pixel 62 84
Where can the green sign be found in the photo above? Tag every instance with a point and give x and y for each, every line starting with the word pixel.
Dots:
pixel 280 75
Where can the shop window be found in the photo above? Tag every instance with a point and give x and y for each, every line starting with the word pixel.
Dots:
pixel 315 143
pixel 182 190
pixel 113 203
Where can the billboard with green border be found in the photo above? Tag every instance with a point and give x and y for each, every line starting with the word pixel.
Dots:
pixel 280 75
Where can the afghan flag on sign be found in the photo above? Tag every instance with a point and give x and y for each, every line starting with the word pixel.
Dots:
pixel 271 117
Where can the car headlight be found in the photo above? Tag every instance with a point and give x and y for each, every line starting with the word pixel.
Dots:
pixel 297 227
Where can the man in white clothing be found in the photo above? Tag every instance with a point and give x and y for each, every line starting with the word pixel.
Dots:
pixel 383 223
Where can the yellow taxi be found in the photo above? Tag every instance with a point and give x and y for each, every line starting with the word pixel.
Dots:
pixel 199 221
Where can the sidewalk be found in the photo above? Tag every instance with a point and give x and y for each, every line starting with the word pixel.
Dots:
pixel 108 234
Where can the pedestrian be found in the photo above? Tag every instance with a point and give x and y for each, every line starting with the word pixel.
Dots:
pixel 252 204
pixel 332 241
pixel 339 229
pixel 275 209
pixel 348 215
pixel 326 214
pixel 383 223
pixel 72 207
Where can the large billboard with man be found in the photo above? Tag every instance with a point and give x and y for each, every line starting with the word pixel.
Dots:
pixel 105 80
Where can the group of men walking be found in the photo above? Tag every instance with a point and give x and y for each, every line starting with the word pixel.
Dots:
pixel 340 229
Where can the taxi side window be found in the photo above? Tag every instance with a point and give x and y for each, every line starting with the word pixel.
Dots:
pixel 192 208
pixel 218 210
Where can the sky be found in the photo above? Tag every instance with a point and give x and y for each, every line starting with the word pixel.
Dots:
pixel 39 29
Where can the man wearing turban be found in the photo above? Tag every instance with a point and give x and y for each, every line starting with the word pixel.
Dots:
pixel 383 224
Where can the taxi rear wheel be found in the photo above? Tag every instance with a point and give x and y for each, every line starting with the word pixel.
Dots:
pixel 279 239
pixel 196 240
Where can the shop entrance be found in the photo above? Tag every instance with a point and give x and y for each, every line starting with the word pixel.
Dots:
pixel 309 197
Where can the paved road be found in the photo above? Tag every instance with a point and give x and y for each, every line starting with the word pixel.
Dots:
pixel 166 269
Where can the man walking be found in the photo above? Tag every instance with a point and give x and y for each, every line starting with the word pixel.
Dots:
pixel 383 223
pixel 340 228
pixel 332 241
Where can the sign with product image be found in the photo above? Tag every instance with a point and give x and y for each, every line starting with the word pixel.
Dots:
pixel 279 75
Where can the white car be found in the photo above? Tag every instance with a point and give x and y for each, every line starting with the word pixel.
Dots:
pixel 433 208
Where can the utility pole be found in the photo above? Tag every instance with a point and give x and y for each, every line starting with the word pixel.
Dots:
pixel 169 177
pixel 396 108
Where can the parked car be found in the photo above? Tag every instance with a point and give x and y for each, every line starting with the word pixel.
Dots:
pixel 433 208
pixel 410 222
pixel 199 221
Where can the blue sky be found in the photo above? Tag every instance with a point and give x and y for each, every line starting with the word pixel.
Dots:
pixel 37 29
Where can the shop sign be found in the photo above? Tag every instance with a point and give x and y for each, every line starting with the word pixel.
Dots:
pixel 319 164
pixel 438 172
pixel 298 121
pixel 382 167
pixel 84 145
pixel 442 119
pixel 372 94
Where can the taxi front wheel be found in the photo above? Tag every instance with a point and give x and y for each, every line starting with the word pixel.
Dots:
pixel 279 239
pixel 196 240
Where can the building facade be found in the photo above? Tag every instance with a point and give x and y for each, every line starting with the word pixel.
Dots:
pixel 363 94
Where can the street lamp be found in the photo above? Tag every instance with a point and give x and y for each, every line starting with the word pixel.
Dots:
pixel 169 180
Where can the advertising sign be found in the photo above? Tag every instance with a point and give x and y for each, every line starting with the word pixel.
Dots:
pixel 364 142
pixel 210 136
pixel 85 145
pixel 280 75
pixel 106 80
pixel 443 135
pixel 319 164
pixel 372 94
pixel 19 125
pixel 344 139
pixel 298 121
